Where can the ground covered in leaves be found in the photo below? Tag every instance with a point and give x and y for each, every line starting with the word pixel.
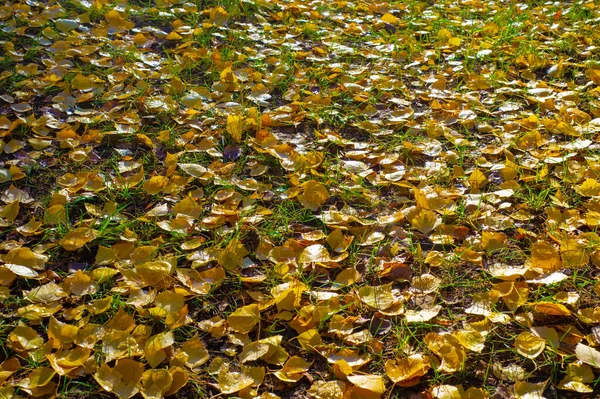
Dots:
pixel 307 199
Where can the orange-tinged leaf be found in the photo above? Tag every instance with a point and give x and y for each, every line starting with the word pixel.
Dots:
pixel 551 308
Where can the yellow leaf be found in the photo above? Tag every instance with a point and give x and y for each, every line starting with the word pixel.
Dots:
pixel 492 241
pixel 180 379
pixel 83 83
pixel 80 284
pixel 529 345
pixel 310 339
pixel 230 256
pixel 233 381
pixel 244 319
pixel 573 253
pixel 61 333
pixel 472 340
pixel 447 392
pixel 338 242
pixel 368 382
pixel 47 293
pixel 64 361
pixel 449 349
pixel 407 368
pixel 24 338
pixel 594 75
pixel 77 238
pixel 235 127
pixel 173 36
pixel 551 308
pixel 195 170
pixel 313 254
pixel 253 351
pixel 588 355
pixel 218 16
pixel 545 256
pixel 155 184
pixel 327 389
pixel 425 284
pixel 39 377
pixel 389 18
pixel 293 369
pixel 123 379
pixel 455 42
pixel 196 353
pixel 421 219
pixel 155 348
pixel 527 390
pixel 378 297
pixel 589 188
pixel 117 22
pixel 477 178
pixel 24 256
pixel 313 195
pixel 155 383
pixel 420 316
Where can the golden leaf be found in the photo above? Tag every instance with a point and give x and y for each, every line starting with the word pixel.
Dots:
pixel 422 219
pixel 218 16
pixel 313 254
pixel 155 383
pixel 529 345
pixel 313 195
pixel 371 383
pixel 77 238
pixel 235 127
pixel 244 319
pixel 378 297
pixel 545 256
pixel 233 381
pixel 155 348
pixel 195 352
pixel 123 379
pixel 407 368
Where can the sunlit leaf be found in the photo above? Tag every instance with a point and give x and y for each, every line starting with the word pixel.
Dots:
pixel 77 238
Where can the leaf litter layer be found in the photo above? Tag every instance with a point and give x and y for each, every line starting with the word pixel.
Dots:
pixel 299 199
